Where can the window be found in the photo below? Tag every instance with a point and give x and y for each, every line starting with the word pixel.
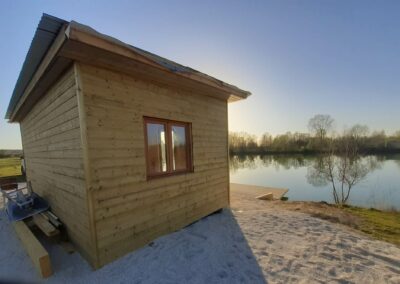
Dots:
pixel 168 147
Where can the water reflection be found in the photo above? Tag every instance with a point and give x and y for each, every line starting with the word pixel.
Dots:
pixel 342 173
pixel 302 175
pixel 277 161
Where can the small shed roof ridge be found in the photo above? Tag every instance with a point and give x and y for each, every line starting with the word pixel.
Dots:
pixel 48 29
pixel 164 62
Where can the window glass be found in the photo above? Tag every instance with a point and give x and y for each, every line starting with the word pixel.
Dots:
pixel 156 148
pixel 179 148
pixel 169 147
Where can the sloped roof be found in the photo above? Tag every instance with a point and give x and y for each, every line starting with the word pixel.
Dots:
pixel 48 29
pixel 45 34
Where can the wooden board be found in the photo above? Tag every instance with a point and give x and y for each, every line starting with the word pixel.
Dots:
pixel 34 249
pixel 45 226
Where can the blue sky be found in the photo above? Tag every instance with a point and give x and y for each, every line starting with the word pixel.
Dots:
pixel 298 58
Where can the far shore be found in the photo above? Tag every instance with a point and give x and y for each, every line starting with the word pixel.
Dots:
pixel 305 152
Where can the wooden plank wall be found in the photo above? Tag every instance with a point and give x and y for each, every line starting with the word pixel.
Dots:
pixel 130 211
pixel 51 139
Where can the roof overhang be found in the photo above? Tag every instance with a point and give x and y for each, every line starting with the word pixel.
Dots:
pixel 71 41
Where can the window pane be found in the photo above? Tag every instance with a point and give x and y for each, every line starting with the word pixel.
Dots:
pixel 179 161
pixel 156 148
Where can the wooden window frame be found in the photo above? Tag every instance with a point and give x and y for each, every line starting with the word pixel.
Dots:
pixel 168 124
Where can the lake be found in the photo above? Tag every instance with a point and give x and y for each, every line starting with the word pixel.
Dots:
pixel 379 189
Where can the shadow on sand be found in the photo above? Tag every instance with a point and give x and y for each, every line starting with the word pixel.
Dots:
pixel 212 250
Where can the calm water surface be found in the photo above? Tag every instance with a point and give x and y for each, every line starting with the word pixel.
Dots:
pixel 380 188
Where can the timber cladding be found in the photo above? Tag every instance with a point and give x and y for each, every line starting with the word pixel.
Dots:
pixel 51 140
pixel 84 148
pixel 129 210
pixel 82 113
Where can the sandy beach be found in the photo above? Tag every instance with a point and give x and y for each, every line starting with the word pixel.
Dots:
pixel 293 247
pixel 253 242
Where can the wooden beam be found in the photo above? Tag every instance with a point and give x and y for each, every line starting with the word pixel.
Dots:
pixel 95 56
pixel 55 71
pixel 34 248
pixel 45 226
pixel 86 163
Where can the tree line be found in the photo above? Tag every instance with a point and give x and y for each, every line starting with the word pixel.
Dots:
pixel 319 139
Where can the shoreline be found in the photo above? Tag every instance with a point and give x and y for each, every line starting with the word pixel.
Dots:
pixel 382 225
pixel 307 152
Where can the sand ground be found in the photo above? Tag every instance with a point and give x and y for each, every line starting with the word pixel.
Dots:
pixel 253 242
pixel 293 247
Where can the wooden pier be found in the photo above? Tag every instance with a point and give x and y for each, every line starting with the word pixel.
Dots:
pixel 258 190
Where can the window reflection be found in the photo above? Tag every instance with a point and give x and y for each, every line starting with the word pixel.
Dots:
pixel 179 155
pixel 156 148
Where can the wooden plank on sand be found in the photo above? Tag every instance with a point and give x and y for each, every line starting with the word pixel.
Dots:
pixel 268 196
pixel 34 248
pixel 45 226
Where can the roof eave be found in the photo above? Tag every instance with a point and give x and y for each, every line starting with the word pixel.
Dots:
pixel 73 31
pixel 89 36
pixel 41 71
pixel 48 28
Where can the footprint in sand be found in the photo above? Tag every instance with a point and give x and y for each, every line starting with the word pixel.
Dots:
pixel 329 256
pixel 222 274
pixel 326 248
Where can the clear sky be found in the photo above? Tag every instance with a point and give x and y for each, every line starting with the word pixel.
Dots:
pixel 298 58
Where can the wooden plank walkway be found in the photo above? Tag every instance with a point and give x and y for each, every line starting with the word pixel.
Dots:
pixel 258 190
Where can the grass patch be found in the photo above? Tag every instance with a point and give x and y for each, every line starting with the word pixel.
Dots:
pixel 382 225
pixel 379 224
pixel 10 167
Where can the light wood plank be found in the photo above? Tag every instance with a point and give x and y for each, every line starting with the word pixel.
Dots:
pixel 45 226
pixel 34 249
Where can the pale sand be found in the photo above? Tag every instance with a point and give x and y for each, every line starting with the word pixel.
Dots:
pixel 292 247
pixel 255 242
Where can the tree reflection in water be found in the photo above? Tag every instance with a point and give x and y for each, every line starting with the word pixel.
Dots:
pixel 343 172
pixel 287 162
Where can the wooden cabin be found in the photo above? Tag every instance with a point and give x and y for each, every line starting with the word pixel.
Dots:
pixel 125 145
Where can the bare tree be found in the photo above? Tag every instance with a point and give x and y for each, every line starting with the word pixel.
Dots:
pixel 357 134
pixel 342 167
pixel 320 125
pixel 266 140
pixel 358 131
pixel 240 141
